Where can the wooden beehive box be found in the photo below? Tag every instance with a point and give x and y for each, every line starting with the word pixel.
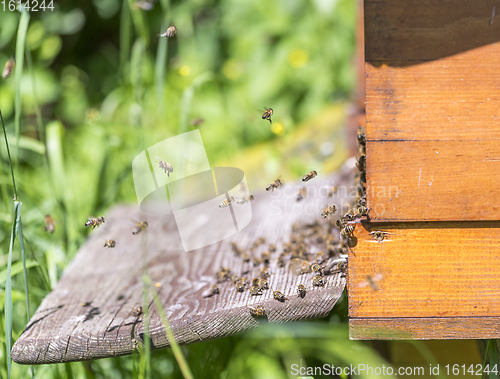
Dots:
pixel 432 83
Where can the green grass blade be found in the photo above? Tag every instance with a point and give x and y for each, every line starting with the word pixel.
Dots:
pixel 124 37
pixel 17 268
pixel 139 24
pixel 39 122
pixel 10 159
pixel 8 285
pixel 179 357
pixel 20 48
pixel 161 58
pixel 493 358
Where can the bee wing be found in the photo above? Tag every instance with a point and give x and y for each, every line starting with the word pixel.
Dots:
pixel 135 222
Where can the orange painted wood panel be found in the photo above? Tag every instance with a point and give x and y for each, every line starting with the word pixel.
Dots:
pixel 424 328
pixel 449 269
pixel 433 180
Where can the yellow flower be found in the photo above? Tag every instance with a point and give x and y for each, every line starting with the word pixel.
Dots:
pixel 278 128
pixel 184 70
pixel 298 58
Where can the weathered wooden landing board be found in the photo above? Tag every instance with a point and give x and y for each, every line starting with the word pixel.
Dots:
pixel 89 313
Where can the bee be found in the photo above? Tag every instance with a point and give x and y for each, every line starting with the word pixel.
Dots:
pixel 305 267
pixel 95 221
pixel 255 281
pixel 329 211
pixel 264 273
pixel 371 281
pixel 361 201
pixel 347 231
pixel 281 260
pixel 341 223
pixel 169 33
pixel 214 290
pixel 245 257
pixel 223 275
pixel 255 291
pixel 235 248
pixel 330 249
pixel 279 296
pixel 256 261
pixel 50 224
pixel 332 190
pixel 137 311
pixel 361 163
pixel 317 269
pixel 272 247
pixel 110 243
pixel 240 286
pixel 287 248
pixel 9 67
pixel 362 177
pixel 225 203
pixel 197 122
pixel 167 167
pixel 318 281
pixel 266 257
pixel 301 290
pixel 267 114
pixel 378 235
pixel 342 266
pixel 301 194
pixel 309 176
pixel 348 217
pixel 361 211
pixel 140 226
pixel 257 311
pixel 273 185
pixel 245 199
pixel 263 284
pixel 235 279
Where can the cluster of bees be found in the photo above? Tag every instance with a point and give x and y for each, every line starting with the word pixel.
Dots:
pixel 293 256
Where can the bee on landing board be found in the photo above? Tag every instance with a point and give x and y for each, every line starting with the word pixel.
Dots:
pixel 279 296
pixel 255 290
pixel 110 243
pixel 50 224
pixel 225 203
pixel 347 231
pixel 309 176
pixel 140 226
pixel 318 281
pixel 267 114
pixel 9 67
pixel 95 221
pixel 301 291
pixel 167 167
pixel 169 33
pixel 257 311
pixel 214 290
pixel 137 311
pixel 329 211
pixel 273 185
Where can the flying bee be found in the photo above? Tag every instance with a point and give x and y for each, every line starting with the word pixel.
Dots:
pixel 167 167
pixel 347 231
pixel 50 224
pixel 371 281
pixel 110 243
pixel 279 296
pixel 301 194
pixel 169 33
pixel 273 185
pixel 301 290
pixel 267 115
pixel 214 290
pixel 257 311
pixel 197 122
pixel 361 163
pixel 329 211
pixel 309 176
pixel 95 221
pixel 140 226
pixel 137 311
pixel 9 67
pixel 318 281
pixel 255 291
pixel 263 284
pixel 245 199
pixel 225 203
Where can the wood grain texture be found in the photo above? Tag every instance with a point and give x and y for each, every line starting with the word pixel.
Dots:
pixel 401 32
pixel 433 180
pixel 426 270
pixel 424 328
pixel 89 313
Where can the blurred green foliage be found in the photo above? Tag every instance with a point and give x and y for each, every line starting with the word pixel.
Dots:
pixel 107 87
